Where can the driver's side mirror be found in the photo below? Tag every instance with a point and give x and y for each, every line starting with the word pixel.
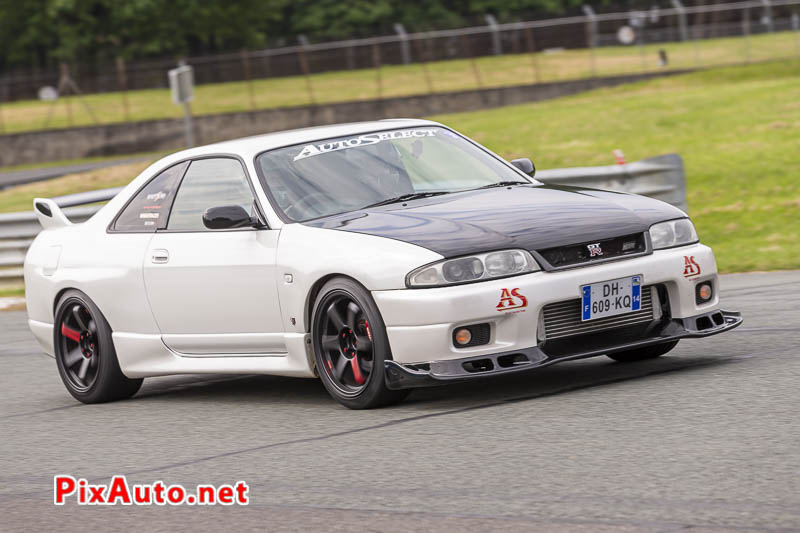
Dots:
pixel 229 217
pixel 525 165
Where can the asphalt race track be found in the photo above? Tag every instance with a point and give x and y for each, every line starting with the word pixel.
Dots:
pixel 704 439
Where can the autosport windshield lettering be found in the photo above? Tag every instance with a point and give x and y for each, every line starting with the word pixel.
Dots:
pixel 342 174
pixel 310 150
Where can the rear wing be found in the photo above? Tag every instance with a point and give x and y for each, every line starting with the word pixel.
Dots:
pixel 49 214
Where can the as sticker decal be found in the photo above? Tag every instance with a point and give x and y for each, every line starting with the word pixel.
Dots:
pixel 511 299
pixel 148 215
pixel 690 267
pixel 310 150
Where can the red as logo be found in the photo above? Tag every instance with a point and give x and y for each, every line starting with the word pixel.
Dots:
pixel 511 299
pixel 690 267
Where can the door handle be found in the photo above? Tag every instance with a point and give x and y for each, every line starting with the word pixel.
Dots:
pixel 160 256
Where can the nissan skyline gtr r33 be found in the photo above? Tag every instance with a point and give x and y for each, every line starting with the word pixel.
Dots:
pixel 377 256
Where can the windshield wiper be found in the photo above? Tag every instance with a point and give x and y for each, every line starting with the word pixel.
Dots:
pixel 404 197
pixel 501 184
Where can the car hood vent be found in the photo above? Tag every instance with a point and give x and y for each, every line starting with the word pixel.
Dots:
pixel 593 252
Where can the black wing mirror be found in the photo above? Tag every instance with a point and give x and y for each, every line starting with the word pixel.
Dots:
pixel 525 165
pixel 228 217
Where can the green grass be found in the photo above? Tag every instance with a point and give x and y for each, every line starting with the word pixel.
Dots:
pixel 511 69
pixel 20 198
pixel 8 292
pixel 738 130
pixel 83 160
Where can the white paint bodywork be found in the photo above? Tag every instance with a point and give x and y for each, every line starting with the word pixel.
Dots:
pixel 239 301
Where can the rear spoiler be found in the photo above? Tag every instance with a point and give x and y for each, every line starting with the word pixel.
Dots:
pixel 49 214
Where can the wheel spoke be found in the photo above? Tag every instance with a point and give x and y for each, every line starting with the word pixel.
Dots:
pixel 72 357
pixel 365 364
pixel 76 314
pixel 352 312
pixel 364 344
pixel 341 364
pixel 70 333
pixel 359 377
pixel 92 327
pixel 330 343
pixel 335 316
pixel 83 369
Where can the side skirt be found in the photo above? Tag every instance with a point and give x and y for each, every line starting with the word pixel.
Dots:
pixel 143 356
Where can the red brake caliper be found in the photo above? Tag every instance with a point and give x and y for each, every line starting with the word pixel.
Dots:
pixel 70 333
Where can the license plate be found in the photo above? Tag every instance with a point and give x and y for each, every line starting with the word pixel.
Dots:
pixel 610 298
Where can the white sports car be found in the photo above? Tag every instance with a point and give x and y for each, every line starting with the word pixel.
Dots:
pixel 378 256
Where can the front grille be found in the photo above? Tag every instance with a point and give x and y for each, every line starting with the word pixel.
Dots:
pixel 563 319
pixel 576 254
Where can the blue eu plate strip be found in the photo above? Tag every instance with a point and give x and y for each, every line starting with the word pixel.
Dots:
pixel 636 285
pixel 587 302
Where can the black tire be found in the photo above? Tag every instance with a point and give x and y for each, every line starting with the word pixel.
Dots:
pixel 85 355
pixel 642 354
pixel 351 345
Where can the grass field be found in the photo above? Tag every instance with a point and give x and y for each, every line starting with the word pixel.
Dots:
pixel 737 128
pixel 512 69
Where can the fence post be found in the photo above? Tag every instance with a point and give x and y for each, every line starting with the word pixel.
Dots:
pixel 64 75
pixel 682 25
pixel 531 42
pixel 591 35
pixel 122 81
pixel 746 32
pixel 248 76
pixel 768 15
pixel 796 28
pixel 3 97
pixel 468 52
pixel 423 59
pixel 497 48
pixel 405 51
pixel 301 57
pixel 376 60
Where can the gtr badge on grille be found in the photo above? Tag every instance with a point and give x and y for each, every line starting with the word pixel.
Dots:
pixel 511 299
pixel 594 249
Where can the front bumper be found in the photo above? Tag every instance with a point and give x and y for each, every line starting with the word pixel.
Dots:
pixel 420 322
pixel 399 376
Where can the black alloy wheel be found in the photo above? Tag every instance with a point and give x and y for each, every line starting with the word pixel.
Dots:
pixel 350 346
pixel 346 339
pixel 85 354
pixel 79 349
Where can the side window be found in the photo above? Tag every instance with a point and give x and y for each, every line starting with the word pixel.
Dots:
pixel 209 183
pixel 149 209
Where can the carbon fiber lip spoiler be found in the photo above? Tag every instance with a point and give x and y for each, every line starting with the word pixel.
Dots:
pixel 483 366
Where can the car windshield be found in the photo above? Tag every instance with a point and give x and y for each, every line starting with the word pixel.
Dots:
pixel 343 174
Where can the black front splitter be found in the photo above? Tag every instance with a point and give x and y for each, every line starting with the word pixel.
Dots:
pixel 435 373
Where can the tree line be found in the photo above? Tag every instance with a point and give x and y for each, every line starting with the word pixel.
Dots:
pixel 42 33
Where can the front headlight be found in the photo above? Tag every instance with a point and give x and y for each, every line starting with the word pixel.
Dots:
pixel 473 268
pixel 672 233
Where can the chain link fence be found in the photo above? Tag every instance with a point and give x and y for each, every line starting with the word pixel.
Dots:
pixel 591 45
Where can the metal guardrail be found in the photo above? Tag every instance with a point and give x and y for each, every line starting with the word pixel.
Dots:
pixel 662 178
pixel 659 177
